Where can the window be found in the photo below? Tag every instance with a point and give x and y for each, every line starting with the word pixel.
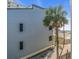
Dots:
pixel 21 45
pixel 50 38
pixel 21 27
pixel 50 27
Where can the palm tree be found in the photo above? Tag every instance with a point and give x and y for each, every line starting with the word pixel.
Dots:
pixel 63 41
pixel 55 18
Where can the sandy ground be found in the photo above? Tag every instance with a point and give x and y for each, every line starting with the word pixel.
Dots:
pixel 66 47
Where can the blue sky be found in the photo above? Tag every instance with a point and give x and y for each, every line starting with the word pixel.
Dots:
pixel 50 3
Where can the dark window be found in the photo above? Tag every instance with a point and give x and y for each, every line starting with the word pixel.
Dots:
pixel 21 45
pixel 50 27
pixel 21 27
pixel 50 38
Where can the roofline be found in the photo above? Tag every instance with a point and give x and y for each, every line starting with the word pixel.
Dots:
pixel 33 5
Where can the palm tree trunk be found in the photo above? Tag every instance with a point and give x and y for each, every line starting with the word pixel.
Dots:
pixel 63 41
pixel 52 36
pixel 57 43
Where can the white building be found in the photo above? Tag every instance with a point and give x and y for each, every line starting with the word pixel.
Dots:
pixel 26 32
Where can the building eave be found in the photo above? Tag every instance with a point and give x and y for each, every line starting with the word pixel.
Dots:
pixel 16 6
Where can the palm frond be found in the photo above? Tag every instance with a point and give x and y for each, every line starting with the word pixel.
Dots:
pixel 55 15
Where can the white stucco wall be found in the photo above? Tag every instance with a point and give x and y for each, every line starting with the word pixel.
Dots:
pixel 35 35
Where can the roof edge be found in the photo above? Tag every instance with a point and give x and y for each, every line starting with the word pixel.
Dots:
pixel 33 5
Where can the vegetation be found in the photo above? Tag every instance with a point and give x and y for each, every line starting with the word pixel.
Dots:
pixel 54 19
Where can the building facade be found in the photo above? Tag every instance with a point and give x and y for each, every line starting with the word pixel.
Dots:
pixel 26 32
